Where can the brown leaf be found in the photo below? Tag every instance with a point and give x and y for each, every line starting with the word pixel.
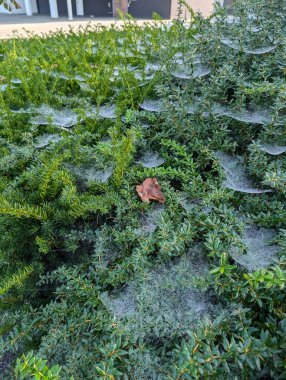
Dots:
pixel 150 190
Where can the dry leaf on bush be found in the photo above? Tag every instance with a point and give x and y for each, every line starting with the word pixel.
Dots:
pixel 150 190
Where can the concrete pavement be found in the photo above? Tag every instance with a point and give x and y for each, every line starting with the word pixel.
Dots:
pixel 11 25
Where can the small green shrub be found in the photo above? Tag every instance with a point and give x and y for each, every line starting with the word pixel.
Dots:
pixel 31 367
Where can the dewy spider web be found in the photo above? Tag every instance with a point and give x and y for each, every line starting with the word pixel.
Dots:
pixel 260 253
pixel 165 300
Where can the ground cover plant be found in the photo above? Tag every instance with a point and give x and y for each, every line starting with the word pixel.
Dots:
pixel 142 200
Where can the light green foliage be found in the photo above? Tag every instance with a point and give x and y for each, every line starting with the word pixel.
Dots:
pixel 17 279
pixel 31 367
pixel 271 279
pixel 21 211
pixel 95 282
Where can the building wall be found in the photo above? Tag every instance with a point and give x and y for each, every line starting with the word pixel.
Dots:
pixel 146 8
pixel 79 8
pixel 203 6
pixel 121 5
pixel 34 6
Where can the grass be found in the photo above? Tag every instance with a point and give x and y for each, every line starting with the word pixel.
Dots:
pixel 97 284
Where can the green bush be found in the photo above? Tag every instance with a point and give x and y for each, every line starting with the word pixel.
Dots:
pixel 103 285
